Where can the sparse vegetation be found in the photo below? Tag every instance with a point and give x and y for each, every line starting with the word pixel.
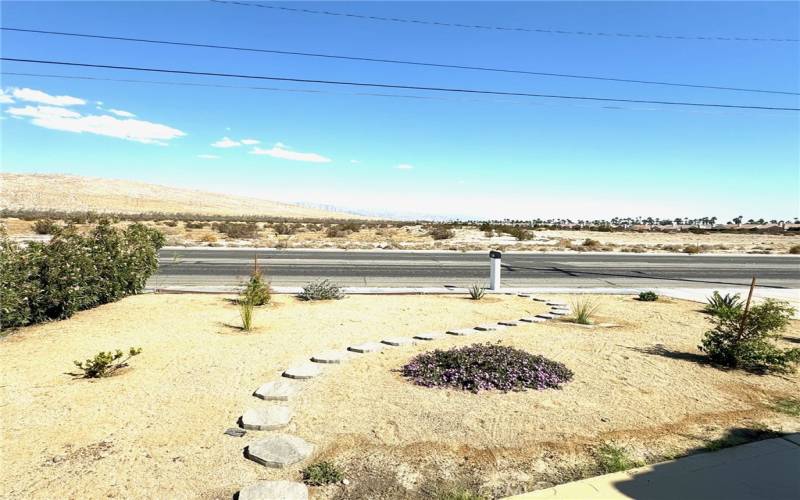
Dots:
pixel 45 226
pixel 743 342
pixel 283 229
pixel 256 290
pixel 692 249
pixel 322 473
pixel 719 305
pixel 648 296
pixel 487 366
pixel 583 309
pixel 794 249
pixel 520 233
pixel 441 232
pixel 238 230
pixel 590 243
pixel 789 406
pixel 476 292
pixel 104 364
pixel 246 313
pixel 321 290
pixel 613 458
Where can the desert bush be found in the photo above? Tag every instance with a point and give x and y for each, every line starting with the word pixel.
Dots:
pixel 612 458
pixel 486 227
pixel 520 233
pixel 321 290
pixel 794 249
pixel 719 305
pixel 241 230
pixel 485 367
pixel 322 473
pixel 648 296
pixel 441 232
pixel 583 309
pixel 692 249
pixel 104 364
pixel 476 292
pixel 256 290
pixel 747 342
pixel 195 225
pixel 208 238
pixel 590 243
pixel 74 272
pixel 171 223
pixel 45 226
pixel 353 227
pixel 246 312
pixel 283 229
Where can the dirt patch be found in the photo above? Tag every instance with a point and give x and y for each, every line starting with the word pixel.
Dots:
pixel 158 430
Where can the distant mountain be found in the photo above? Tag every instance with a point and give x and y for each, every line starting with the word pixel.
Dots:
pixel 383 214
pixel 74 193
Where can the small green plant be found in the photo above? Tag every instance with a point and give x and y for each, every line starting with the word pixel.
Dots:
pixel 246 312
pixel 104 364
pixel 612 458
pixel 476 292
pixel 719 305
pixel 45 226
pixel 584 309
pixel 322 473
pixel 648 296
pixel 789 406
pixel 321 290
pixel 745 342
pixel 457 493
pixel 256 290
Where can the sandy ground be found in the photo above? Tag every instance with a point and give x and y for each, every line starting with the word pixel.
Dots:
pixel 416 237
pixel 156 429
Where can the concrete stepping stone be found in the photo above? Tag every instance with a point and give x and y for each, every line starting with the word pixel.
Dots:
pixel 558 304
pixel 366 347
pixel 462 331
pixel 274 490
pixel 546 316
pixel 530 319
pixel 268 418
pixel 428 336
pixel 523 295
pixel 330 357
pixel 302 372
pixel 537 299
pixel 508 323
pixel 279 451
pixel 277 390
pixel 490 327
pixel 398 341
pixel 557 312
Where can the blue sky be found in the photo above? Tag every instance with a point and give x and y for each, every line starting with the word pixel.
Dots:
pixel 447 154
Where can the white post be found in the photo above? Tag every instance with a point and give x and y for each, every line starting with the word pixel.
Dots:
pixel 494 270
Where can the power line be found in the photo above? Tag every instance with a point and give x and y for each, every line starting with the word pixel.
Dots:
pixel 394 86
pixel 508 28
pixel 392 61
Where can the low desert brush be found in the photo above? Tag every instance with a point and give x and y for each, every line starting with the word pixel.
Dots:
pixel 321 290
pixel 246 312
pixel 476 292
pixel 322 473
pixel 648 296
pixel 256 290
pixel 612 458
pixel 584 309
pixel 104 364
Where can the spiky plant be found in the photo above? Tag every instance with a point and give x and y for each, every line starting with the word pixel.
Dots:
pixel 476 292
pixel 584 309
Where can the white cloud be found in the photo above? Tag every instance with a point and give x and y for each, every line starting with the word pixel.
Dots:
pixel 5 98
pixel 208 157
pixel 119 112
pixel 355 162
pixel 226 142
pixel 56 118
pixel 280 150
pixel 250 142
pixel 32 95
pixel 404 166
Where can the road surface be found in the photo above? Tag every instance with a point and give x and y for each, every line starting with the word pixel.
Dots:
pixel 191 267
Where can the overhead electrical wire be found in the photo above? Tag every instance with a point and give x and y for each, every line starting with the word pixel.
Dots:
pixel 392 61
pixel 394 86
pixel 510 28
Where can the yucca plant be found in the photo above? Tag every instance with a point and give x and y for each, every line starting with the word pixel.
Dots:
pixel 246 312
pixel 719 305
pixel 584 309
pixel 476 292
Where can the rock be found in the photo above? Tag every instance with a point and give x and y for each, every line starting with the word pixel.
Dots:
pixel 508 323
pixel 279 451
pixel 531 319
pixel 330 357
pixel 274 490
pixel 428 336
pixel 462 331
pixel 486 328
pixel 277 390
pixel 304 371
pixel 398 341
pixel 233 431
pixel 268 418
pixel 366 347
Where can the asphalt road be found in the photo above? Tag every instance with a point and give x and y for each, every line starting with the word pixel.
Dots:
pixel 220 267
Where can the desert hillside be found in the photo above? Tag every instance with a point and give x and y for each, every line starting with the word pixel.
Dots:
pixel 73 193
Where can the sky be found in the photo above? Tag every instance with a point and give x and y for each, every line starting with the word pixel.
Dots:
pixel 410 151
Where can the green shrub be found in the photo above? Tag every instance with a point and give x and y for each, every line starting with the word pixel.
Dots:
pixel 789 406
pixel 241 230
pixel 104 364
pixel 321 290
pixel 520 233
pixel 612 458
pixel 441 232
pixel 584 309
pixel 256 291
pixel 476 292
pixel 718 305
pixel 45 226
pixel 73 272
pixel 751 348
pixel 322 473
pixel 648 296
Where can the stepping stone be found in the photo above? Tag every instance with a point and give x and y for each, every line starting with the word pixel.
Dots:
pixel 508 323
pixel 428 336
pixel 330 357
pixel 302 372
pixel 529 319
pixel 537 299
pixel 274 490
pixel 561 304
pixel 490 327
pixel 277 390
pixel 233 431
pixel 462 331
pixel 279 451
pixel 545 316
pixel 398 341
pixel 268 418
pixel 523 295
pixel 557 312
pixel 366 347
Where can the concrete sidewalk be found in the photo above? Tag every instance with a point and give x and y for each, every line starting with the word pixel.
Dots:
pixel 768 469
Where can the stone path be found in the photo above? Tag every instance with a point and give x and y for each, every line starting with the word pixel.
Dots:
pixel 282 450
